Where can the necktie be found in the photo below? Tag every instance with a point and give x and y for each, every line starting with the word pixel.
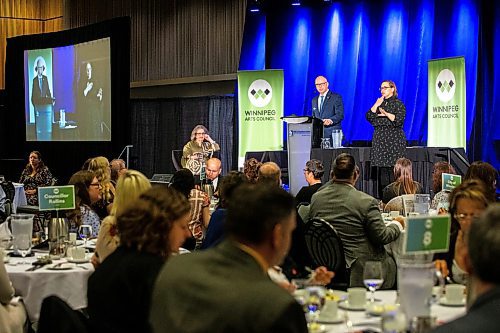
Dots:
pixel 321 99
pixel 40 84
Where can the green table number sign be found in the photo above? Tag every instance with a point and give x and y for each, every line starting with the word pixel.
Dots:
pixel 427 234
pixel 449 181
pixel 56 197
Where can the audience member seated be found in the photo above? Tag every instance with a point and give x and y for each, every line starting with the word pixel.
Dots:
pixel 150 229
pixel 484 172
pixel 312 173
pixel 118 168
pixel 12 311
pixel 183 181
pixel 467 202
pixel 356 218
pixel 226 288
pixel 403 184
pixel 36 174
pixel 215 231
pixel 483 243
pixel 100 167
pixel 441 199
pixel 87 192
pixel 270 174
pixel 213 168
pixel 251 169
pixel 130 185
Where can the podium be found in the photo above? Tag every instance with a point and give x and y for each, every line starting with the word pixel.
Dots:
pixel 43 121
pixel 303 134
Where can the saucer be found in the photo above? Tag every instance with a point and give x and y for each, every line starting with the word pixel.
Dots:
pixel 346 306
pixel 316 328
pixel 78 261
pixel 443 301
pixel 335 320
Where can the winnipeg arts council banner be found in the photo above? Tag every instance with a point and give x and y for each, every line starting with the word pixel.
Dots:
pixel 260 103
pixel 446 110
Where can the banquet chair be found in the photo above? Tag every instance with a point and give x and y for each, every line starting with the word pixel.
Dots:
pixel 176 159
pixel 326 249
pixel 56 316
pixel 394 204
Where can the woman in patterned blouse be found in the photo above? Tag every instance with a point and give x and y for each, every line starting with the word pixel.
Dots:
pixel 35 174
pixel 87 191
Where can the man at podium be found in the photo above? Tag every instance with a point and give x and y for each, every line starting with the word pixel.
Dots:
pixel 42 102
pixel 328 107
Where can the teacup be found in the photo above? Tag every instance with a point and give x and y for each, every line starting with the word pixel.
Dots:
pixel 356 297
pixel 329 311
pixel 78 253
pixel 454 293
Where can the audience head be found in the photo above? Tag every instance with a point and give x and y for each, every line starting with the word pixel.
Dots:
pixel 198 133
pixel 118 168
pixel 262 217
pixel 213 168
pixel 183 181
pixel 228 184
pixel 314 170
pixel 100 166
pixel 128 189
pixel 86 164
pixel 251 169
pixel 468 201
pixel 86 187
pixel 403 175
pixel 344 168
pixel 438 170
pixel 269 173
pixel 156 222
pixel 484 245
pixel 35 161
pixel 484 172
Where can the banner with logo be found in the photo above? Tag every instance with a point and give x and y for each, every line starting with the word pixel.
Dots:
pixel 446 110
pixel 260 103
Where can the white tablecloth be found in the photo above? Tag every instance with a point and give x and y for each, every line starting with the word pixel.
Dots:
pixel 70 285
pixel 19 197
pixel 361 320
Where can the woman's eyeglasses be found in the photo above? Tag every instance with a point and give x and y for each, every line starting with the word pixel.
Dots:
pixel 202 133
pixel 463 217
pixel 384 88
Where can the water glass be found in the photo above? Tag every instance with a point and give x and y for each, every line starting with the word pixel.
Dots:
pixel 373 277
pixel 85 232
pixel 22 229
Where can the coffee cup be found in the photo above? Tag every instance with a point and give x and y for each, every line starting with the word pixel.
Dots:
pixel 78 253
pixel 454 293
pixel 356 297
pixel 329 311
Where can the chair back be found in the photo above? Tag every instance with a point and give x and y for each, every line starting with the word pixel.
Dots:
pixel 56 316
pixel 326 249
pixel 404 204
pixel 176 159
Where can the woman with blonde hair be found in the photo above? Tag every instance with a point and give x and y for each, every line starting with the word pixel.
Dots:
pixel 198 150
pixel 100 167
pixel 403 184
pixel 151 228
pixel 129 187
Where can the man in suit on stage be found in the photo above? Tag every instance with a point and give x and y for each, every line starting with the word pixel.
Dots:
pixel 328 107
pixel 40 91
pixel 356 218
pixel 226 288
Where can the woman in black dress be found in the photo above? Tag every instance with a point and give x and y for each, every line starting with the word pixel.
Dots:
pixel 387 116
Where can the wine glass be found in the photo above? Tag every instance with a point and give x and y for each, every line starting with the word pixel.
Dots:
pixel 85 232
pixel 313 304
pixel 373 277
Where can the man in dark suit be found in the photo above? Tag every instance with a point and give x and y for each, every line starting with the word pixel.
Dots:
pixel 356 218
pixel 213 168
pixel 226 288
pixel 483 245
pixel 328 107
pixel 40 91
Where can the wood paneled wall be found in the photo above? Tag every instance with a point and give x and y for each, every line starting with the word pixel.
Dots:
pixel 23 17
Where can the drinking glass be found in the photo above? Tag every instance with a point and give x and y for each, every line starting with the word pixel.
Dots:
pixel 313 304
pixel 373 277
pixel 85 232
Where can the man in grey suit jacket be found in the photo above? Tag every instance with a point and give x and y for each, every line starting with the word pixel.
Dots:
pixel 356 217
pixel 226 288
pixel 328 107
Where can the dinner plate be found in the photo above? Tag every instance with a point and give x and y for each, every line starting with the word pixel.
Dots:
pixel 445 302
pixel 336 320
pixel 78 261
pixel 346 306
pixel 378 309
pixel 61 267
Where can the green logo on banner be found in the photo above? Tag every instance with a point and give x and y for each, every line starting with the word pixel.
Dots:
pixel 426 234
pixel 449 181
pixel 56 197
pixel 260 93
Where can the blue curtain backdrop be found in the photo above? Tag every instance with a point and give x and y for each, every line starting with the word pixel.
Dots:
pixel 358 44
